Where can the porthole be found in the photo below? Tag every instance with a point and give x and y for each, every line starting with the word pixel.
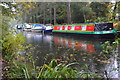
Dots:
pixel 72 27
pixel 84 27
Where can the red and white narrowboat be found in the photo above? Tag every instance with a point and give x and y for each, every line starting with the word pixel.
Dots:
pixel 85 28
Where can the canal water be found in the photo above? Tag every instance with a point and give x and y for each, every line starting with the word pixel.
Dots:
pixel 86 50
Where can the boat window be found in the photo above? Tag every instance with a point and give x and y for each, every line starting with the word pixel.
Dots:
pixel 60 27
pixel 84 27
pixel 72 27
pixel 66 27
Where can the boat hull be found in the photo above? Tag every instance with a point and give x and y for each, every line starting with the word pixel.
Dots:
pixel 87 32
pixel 36 30
pixel 27 29
pixel 90 36
pixel 48 30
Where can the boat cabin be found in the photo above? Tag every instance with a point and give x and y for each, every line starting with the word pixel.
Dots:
pixel 85 28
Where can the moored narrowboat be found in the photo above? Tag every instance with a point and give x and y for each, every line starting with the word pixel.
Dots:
pixel 48 28
pixel 19 26
pixel 27 27
pixel 85 28
pixel 37 27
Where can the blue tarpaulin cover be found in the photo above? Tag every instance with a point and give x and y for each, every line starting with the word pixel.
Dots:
pixel 35 25
pixel 38 26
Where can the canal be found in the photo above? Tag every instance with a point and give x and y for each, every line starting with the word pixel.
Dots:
pixel 86 50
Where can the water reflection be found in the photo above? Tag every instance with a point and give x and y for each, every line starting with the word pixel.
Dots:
pixel 79 45
pixel 86 51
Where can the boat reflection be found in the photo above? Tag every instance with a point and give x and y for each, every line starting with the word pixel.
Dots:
pixel 79 45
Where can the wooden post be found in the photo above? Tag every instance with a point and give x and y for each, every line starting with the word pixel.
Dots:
pixel 43 32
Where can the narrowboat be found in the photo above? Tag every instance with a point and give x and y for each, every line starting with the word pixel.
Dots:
pixel 27 27
pixel 19 26
pixel 85 28
pixel 37 27
pixel 48 28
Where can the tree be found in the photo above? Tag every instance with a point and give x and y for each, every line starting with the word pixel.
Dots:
pixel 116 10
pixel 50 9
pixel 68 12
pixel 54 13
pixel 100 8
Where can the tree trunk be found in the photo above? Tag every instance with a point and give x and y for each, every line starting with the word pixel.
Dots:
pixel 50 15
pixel 114 11
pixel 68 13
pixel 24 17
pixel 54 13
pixel 44 13
pixel 34 20
pixel 84 16
pixel 44 17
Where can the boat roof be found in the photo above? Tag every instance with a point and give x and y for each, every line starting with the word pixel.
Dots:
pixel 37 25
pixel 76 24
pixel 81 24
